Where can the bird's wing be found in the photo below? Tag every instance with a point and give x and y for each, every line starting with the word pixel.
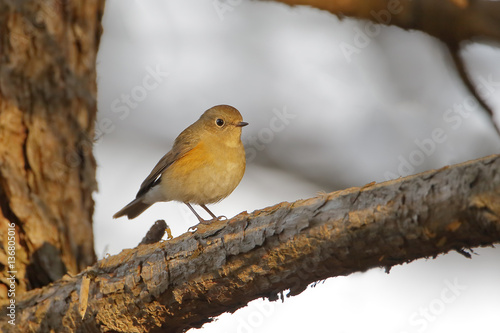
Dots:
pixel 180 148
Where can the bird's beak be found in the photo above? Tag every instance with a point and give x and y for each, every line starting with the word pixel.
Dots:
pixel 241 124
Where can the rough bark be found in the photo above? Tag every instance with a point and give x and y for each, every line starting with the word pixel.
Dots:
pixel 182 283
pixel 47 175
pixel 47 111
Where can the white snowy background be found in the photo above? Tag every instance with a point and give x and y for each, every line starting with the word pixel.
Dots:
pixel 320 119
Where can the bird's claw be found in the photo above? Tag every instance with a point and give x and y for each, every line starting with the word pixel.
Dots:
pixel 215 219
pixel 207 222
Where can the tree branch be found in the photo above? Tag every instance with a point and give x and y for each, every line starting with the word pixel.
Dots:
pixel 464 76
pixel 471 20
pixel 477 20
pixel 175 285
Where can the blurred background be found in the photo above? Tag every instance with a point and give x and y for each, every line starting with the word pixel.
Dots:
pixel 331 104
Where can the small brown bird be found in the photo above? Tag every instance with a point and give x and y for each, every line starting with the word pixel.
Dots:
pixel 205 164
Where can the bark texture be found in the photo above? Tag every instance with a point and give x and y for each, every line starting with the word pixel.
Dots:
pixel 47 111
pixel 175 285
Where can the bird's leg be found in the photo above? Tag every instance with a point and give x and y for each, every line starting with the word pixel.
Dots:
pixel 208 211
pixel 218 218
pixel 198 216
pixel 202 221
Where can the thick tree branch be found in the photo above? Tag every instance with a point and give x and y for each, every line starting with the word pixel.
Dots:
pixel 470 20
pixel 174 285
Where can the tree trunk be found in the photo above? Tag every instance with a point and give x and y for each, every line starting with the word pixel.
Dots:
pixel 182 283
pixel 47 111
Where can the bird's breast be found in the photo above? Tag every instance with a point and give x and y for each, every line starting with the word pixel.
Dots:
pixel 206 174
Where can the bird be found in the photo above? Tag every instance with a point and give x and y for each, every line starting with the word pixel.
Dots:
pixel 206 163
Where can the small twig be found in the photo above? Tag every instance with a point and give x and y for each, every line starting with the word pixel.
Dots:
pixel 462 72
pixel 155 233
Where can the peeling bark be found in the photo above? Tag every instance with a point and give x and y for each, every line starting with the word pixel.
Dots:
pixel 47 113
pixel 182 283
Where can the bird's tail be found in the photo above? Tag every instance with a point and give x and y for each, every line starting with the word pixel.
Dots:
pixel 133 209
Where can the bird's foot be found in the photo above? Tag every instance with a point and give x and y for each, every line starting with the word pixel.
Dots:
pixel 215 219
pixel 207 222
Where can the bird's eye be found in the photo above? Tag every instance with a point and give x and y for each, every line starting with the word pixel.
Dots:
pixel 219 122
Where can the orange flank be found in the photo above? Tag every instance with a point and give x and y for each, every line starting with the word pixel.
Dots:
pixel 195 159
